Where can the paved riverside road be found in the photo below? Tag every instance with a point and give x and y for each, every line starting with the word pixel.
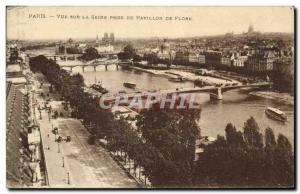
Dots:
pixel 76 164
pixel 92 166
pixel 88 166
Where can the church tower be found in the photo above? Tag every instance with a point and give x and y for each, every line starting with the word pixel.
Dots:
pixel 250 29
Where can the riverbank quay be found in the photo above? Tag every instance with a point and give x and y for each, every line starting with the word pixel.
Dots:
pixel 189 76
pixel 231 75
pixel 187 73
pixel 284 98
pixel 74 164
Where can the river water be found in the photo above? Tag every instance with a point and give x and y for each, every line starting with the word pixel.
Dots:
pixel 236 107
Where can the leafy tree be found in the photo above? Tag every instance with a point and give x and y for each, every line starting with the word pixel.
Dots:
pixel 137 58
pixel 254 142
pixel 14 56
pixel 172 135
pixel 92 139
pixel 129 49
pixel 251 133
pixel 55 114
pixel 90 54
pixel 234 137
pixel 270 139
pixel 128 53
pixel 241 159
pixel 284 162
pixel 123 56
pixel 270 154
pixel 151 58
pixel 73 50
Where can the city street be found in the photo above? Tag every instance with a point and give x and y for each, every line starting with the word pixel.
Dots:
pixel 92 165
pixel 77 164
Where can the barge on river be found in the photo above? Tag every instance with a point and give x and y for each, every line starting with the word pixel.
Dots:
pixel 129 85
pixel 276 114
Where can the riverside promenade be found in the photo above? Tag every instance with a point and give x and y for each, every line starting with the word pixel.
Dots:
pixel 75 164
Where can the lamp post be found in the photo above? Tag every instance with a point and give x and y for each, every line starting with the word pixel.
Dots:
pixel 63 164
pixel 68 177
pixel 49 116
pixel 58 151
pixel 33 103
pixel 49 112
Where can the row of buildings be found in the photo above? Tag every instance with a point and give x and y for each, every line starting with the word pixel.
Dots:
pixel 25 167
pixel 251 51
pixel 262 61
pixel 259 62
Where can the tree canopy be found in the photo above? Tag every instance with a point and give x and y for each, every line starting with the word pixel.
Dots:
pixel 128 53
pixel 90 54
pixel 173 135
pixel 242 159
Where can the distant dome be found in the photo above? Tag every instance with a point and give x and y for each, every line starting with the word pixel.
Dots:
pixel 70 40
pixel 165 45
pixel 250 29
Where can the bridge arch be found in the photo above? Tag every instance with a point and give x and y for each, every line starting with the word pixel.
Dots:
pixel 216 94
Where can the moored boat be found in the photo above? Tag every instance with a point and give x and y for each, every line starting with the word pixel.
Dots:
pixel 122 92
pixel 129 85
pixel 199 83
pixel 99 88
pixel 276 114
pixel 176 79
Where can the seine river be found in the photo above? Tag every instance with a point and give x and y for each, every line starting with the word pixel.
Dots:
pixel 236 107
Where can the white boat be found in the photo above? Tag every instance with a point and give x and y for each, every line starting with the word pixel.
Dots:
pixel 276 114
pixel 129 85
pixel 176 79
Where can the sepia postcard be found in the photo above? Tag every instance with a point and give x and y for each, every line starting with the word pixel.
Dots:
pixel 150 97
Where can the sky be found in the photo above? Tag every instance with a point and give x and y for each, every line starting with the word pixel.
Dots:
pixel 45 23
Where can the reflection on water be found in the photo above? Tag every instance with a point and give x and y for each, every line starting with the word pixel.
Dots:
pixel 113 80
pixel 44 51
pixel 236 107
pixel 216 114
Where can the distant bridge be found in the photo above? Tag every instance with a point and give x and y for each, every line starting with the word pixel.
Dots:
pixel 66 57
pixel 94 63
pixel 98 63
pixel 215 92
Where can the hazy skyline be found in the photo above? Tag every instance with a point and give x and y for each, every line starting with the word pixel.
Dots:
pixel 204 21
